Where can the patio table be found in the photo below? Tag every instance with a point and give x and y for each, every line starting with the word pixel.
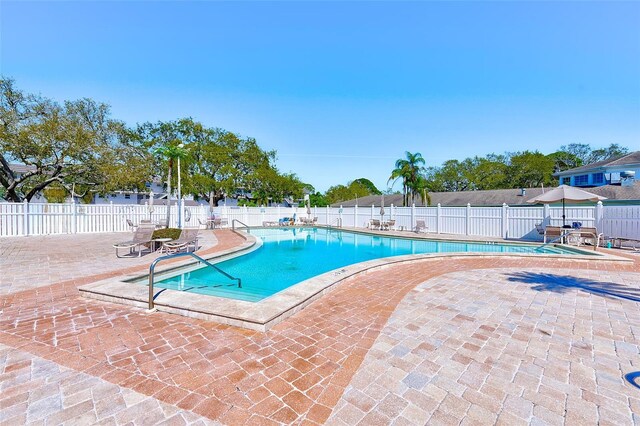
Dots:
pixel 159 242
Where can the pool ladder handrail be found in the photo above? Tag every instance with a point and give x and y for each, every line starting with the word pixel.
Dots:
pixel 233 224
pixel 337 223
pixel 173 256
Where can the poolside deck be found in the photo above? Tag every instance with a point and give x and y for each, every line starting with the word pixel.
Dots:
pixel 471 340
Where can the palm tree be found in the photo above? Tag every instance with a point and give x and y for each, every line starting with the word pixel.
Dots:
pixel 171 151
pixel 400 172
pixel 409 170
pixel 422 188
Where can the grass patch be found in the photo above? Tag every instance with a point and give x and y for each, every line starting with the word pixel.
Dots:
pixel 172 233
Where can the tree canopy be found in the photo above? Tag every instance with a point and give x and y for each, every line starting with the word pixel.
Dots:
pixel 355 189
pixel 74 145
pixel 217 163
pixel 524 169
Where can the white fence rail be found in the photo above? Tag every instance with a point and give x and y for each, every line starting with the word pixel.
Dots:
pixel 19 219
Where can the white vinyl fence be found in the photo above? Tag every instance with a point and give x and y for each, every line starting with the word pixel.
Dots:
pixel 18 219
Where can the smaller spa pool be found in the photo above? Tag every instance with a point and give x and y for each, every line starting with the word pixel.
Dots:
pixel 291 255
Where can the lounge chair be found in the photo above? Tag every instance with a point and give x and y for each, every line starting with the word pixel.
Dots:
pixel 287 221
pixel 188 237
pixel 219 222
pixel 420 226
pixel 622 242
pixel 308 220
pixel 141 237
pixel 553 232
pixel 390 225
pixel 586 236
pixel 284 221
pixel 374 224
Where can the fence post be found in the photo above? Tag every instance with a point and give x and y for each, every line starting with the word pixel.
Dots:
pixel 372 210
pixel 438 218
pixel 74 217
pixel 328 219
pixel 599 216
pixel 25 218
pixel 413 215
pixel 355 216
pixel 505 221
pixel 467 225
pixel 112 215
pixel 245 215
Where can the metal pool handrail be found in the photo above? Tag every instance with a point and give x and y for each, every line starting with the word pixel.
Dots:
pixel 337 222
pixel 233 224
pixel 172 256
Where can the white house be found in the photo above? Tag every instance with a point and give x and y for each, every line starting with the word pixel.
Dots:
pixel 620 170
pixel 132 197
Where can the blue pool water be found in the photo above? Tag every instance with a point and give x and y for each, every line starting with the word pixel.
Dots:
pixel 291 255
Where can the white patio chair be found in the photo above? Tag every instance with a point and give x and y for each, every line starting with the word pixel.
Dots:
pixel 420 226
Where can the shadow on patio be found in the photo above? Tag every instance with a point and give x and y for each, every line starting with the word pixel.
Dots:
pixel 564 283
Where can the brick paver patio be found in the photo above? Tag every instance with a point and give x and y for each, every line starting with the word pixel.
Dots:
pixel 36 390
pixel 443 340
pixel 507 346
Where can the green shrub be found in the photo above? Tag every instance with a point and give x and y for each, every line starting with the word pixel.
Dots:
pixel 172 233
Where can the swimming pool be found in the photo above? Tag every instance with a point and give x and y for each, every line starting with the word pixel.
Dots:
pixel 291 255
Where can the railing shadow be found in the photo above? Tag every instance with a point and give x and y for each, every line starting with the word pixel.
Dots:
pixel 563 283
pixel 633 378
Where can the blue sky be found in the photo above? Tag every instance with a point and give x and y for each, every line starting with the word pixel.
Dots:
pixel 342 89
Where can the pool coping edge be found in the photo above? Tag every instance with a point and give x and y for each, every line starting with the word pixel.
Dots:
pixel 266 313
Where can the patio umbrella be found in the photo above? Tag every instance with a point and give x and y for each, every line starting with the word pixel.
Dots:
pixel 382 208
pixel 565 193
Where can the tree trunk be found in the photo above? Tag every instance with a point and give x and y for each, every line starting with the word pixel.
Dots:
pixel 13 196
pixel 7 180
pixel 212 201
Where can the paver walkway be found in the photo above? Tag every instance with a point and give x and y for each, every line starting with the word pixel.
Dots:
pixel 28 262
pixel 297 372
pixel 506 346
pixel 36 390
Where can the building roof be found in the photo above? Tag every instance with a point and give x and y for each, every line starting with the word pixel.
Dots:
pixel 494 197
pixel 21 168
pixel 163 202
pixel 619 161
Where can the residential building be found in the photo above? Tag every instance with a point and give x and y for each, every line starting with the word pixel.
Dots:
pixel 620 170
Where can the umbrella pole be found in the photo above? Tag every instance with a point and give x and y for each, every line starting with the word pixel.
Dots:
pixel 563 215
